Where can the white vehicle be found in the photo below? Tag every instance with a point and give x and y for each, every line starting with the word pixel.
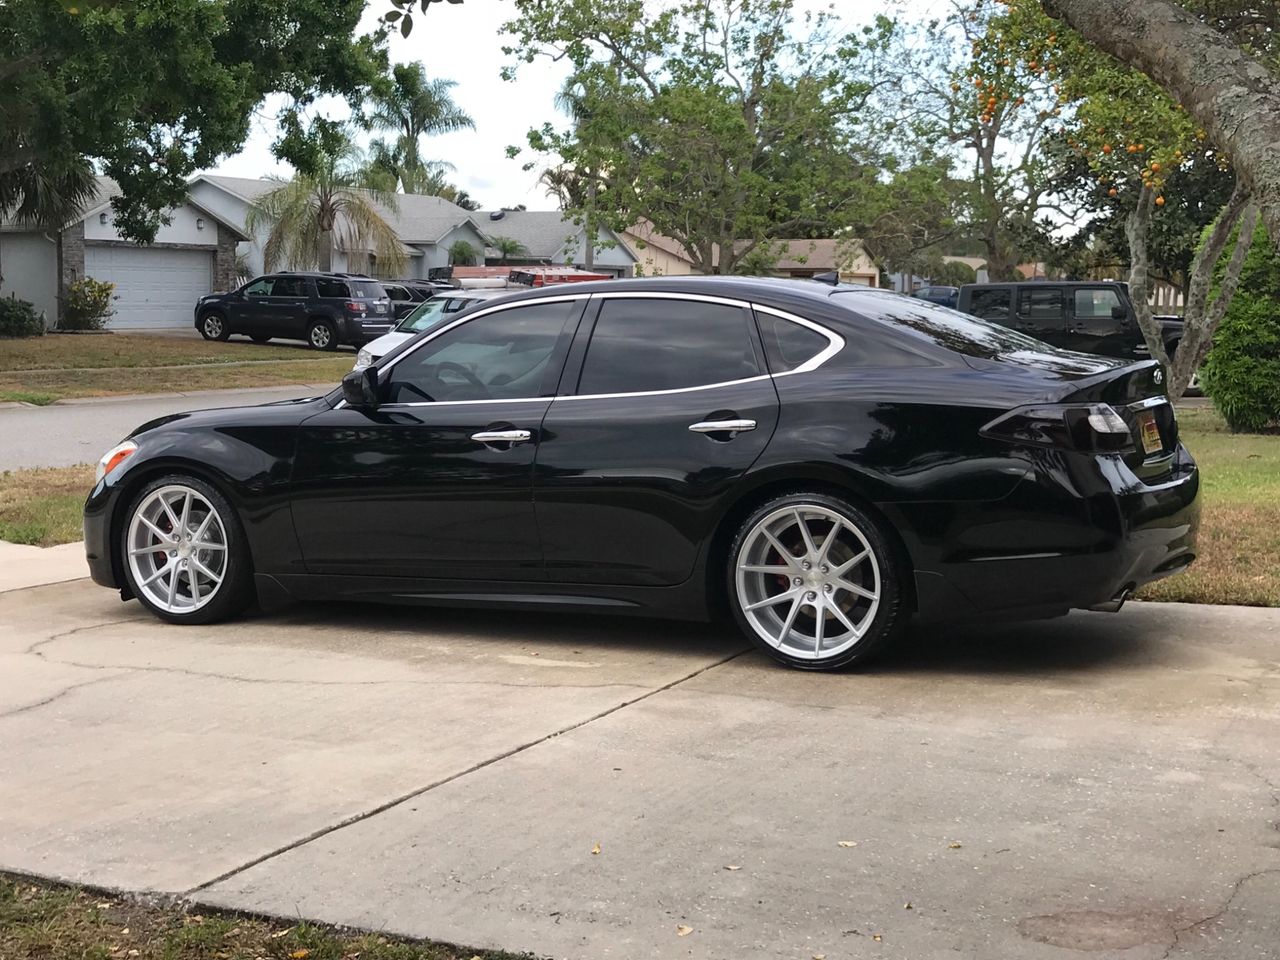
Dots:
pixel 427 315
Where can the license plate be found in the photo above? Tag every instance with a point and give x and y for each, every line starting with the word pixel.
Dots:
pixel 379 308
pixel 1151 440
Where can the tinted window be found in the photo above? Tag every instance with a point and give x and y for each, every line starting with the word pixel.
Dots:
pixel 644 344
pixel 367 289
pixel 992 304
pixel 788 345
pixel 259 288
pixel 289 287
pixel 329 287
pixel 945 327
pixel 502 356
pixel 1040 304
pixel 1096 304
pixel 396 292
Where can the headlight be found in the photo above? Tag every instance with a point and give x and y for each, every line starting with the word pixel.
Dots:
pixel 364 359
pixel 113 458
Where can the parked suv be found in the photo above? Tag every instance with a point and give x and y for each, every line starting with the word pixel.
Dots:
pixel 324 309
pixel 1094 316
pixel 943 296
pixel 407 294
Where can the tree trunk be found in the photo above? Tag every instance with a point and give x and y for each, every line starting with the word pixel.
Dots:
pixel 1233 96
pixel 61 285
pixel 589 228
pixel 324 251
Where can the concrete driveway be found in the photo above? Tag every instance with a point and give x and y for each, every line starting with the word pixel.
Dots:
pixel 1103 784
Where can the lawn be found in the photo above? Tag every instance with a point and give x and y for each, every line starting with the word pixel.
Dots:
pixel 1239 546
pixel 43 369
pixel 1239 558
pixel 43 921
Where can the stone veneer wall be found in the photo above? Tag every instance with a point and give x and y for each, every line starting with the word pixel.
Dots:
pixel 224 261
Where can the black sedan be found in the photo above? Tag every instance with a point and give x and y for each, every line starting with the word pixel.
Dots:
pixel 823 462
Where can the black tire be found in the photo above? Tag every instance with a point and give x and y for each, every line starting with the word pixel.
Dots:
pixel 259 337
pixel 236 590
pixel 879 626
pixel 214 326
pixel 321 335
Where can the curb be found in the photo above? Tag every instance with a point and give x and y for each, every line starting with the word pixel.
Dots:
pixel 288 393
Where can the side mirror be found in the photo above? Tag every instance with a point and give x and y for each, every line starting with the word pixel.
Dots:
pixel 360 387
pixel 1119 313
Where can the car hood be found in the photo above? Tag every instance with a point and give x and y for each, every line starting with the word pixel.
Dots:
pixel 386 343
pixel 275 413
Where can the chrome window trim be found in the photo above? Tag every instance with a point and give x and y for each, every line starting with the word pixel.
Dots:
pixel 835 342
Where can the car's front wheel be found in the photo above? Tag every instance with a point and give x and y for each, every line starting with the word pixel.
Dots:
pixel 213 326
pixel 184 553
pixel 320 335
pixel 814 582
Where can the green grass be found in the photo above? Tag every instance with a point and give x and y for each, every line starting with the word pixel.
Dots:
pixel 44 921
pixel 1239 546
pixel 44 369
pixel 27 396
pixel 43 507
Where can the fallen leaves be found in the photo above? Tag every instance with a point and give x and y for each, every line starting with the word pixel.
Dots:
pixel 955 844
pixel 876 937
pixel 846 843
pixel 301 954
pixel 683 931
pixel 595 851
pixel 732 866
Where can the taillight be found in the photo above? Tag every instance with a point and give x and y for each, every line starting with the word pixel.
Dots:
pixel 1095 428
pixel 354 307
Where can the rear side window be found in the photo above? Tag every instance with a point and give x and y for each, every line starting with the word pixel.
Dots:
pixel 367 290
pixel 329 287
pixel 397 292
pixel 788 345
pixel 1096 304
pixel 289 287
pixel 1040 304
pixel 643 344
pixel 992 304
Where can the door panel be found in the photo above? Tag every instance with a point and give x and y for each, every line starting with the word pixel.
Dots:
pixel 406 492
pixel 250 311
pixel 1095 328
pixel 625 491
pixel 1042 313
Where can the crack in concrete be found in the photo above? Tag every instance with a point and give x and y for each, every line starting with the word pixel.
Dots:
pixel 57 696
pixel 1235 891
pixel 419 791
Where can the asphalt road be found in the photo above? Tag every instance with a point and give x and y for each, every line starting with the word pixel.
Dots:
pixel 68 433
pixel 1104 784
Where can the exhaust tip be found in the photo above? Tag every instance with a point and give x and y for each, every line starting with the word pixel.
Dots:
pixel 1115 603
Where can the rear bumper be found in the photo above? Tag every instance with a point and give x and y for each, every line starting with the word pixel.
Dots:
pixel 1076 535
pixel 359 332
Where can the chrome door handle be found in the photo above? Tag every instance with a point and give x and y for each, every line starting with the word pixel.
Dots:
pixel 722 426
pixel 503 436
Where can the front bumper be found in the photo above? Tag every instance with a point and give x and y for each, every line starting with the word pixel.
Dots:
pixel 99 509
pixel 1078 533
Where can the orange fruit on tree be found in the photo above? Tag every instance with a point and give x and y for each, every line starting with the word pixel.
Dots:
pixel 1159 201
pixel 1106 148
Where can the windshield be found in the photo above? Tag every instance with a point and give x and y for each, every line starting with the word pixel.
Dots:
pixel 432 312
pixel 367 289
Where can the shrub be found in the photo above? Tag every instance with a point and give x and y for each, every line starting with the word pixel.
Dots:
pixel 87 305
pixel 1242 371
pixel 462 253
pixel 18 318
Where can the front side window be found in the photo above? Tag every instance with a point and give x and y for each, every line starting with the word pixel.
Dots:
pixel 788 345
pixel 259 288
pixel 645 344
pixel 501 356
pixel 1096 304
pixel 330 287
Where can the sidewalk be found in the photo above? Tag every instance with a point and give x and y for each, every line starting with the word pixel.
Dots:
pixel 22 566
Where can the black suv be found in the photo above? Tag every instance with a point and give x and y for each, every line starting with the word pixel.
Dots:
pixel 324 309
pixel 1092 316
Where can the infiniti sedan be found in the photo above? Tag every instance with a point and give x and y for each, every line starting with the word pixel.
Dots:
pixel 823 463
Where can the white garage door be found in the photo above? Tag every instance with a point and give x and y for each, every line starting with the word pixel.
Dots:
pixel 157 287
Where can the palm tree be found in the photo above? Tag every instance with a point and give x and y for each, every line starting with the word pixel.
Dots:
pixel 415 107
pixel 507 247
pixel 337 204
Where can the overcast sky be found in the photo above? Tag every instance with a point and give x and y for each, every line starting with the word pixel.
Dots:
pixel 463 43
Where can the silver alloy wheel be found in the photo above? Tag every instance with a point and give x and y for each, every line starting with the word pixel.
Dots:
pixel 177 549
pixel 321 335
pixel 808 581
pixel 213 326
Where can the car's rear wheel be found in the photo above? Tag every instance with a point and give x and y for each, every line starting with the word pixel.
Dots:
pixel 259 337
pixel 184 552
pixel 213 326
pixel 814 582
pixel 320 335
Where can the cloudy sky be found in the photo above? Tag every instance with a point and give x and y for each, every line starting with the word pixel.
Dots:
pixel 463 43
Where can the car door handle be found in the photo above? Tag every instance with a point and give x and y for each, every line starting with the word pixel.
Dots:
pixel 503 436
pixel 722 426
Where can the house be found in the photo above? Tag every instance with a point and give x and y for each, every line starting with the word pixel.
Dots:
pixel 427 226
pixel 805 258
pixel 157 284
pixel 548 236
pixel 659 255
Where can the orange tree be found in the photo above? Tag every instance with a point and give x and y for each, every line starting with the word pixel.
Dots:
pixel 1132 137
